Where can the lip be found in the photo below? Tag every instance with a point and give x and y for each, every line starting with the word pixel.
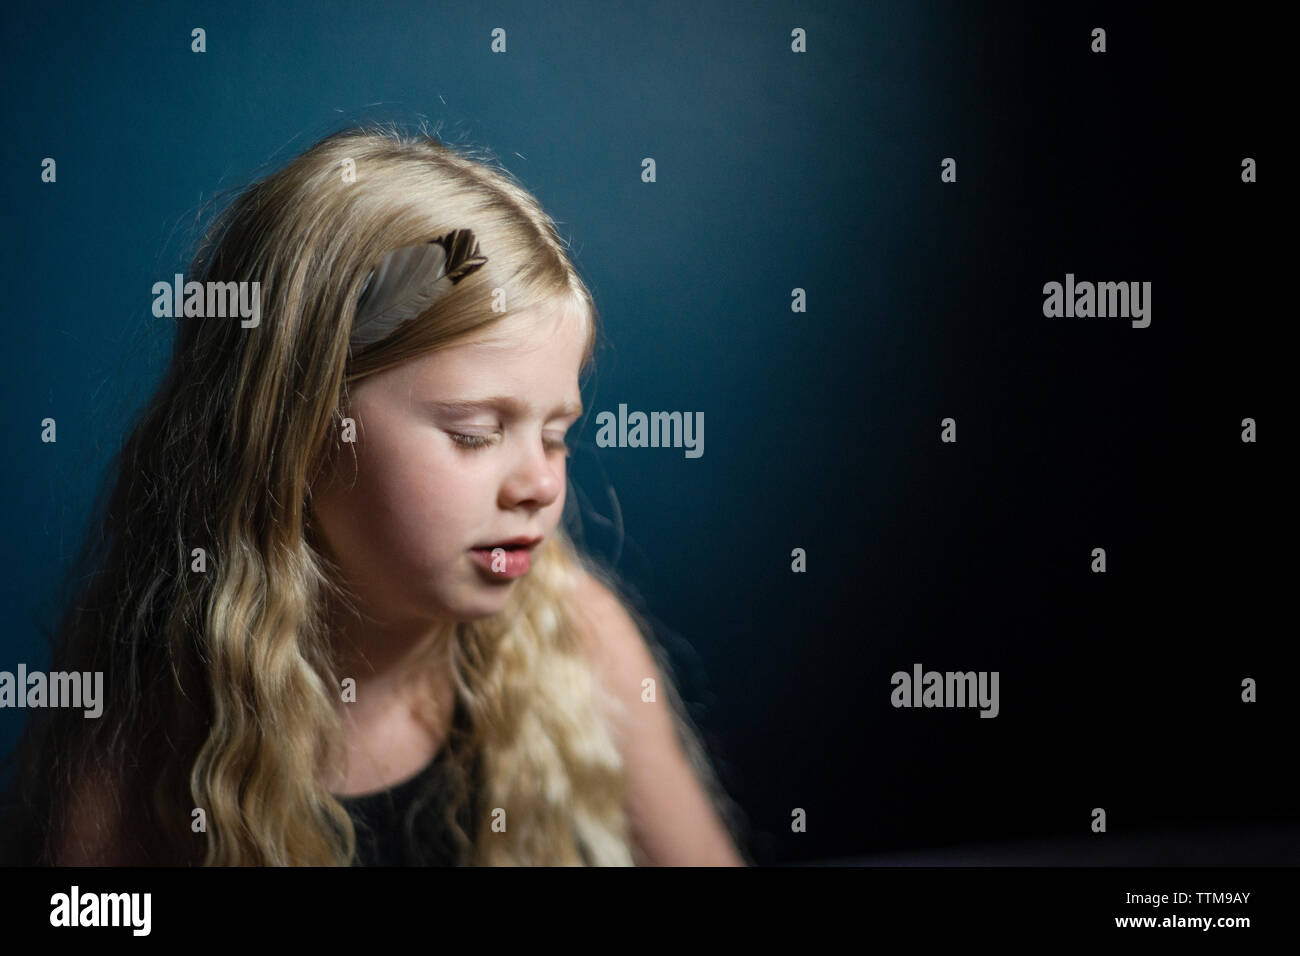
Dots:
pixel 521 541
pixel 502 564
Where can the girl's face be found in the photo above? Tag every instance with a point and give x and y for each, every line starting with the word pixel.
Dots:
pixel 455 452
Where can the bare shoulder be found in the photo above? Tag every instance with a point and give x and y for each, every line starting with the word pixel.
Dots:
pixel 610 635
pixel 620 655
pixel 672 820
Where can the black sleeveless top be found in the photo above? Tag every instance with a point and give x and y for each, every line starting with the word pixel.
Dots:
pixel 408 824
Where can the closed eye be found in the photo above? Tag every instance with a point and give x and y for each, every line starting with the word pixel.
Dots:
pixel 482 441
pixel 472 441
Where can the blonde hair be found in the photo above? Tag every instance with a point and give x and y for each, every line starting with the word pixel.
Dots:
pixel 221 690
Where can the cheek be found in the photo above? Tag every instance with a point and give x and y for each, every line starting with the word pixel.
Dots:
pixel 556 510
pixel 421 498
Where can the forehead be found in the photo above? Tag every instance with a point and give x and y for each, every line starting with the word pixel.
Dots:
pixel 556 325
pixel 538 352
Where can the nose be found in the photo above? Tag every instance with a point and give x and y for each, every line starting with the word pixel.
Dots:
pixel 533 480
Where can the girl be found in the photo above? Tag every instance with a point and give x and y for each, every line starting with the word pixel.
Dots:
pixel 336 613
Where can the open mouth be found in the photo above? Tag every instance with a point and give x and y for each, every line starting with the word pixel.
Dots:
pixel 506 560
pixel 514 544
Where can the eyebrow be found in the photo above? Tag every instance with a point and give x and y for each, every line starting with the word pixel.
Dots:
pixel 503 403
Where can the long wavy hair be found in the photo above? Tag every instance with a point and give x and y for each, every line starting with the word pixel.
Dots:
pixel 221 689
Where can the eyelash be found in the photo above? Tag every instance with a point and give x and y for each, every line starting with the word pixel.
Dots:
pixel 473 442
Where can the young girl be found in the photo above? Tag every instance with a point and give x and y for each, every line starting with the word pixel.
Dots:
pixel 338 618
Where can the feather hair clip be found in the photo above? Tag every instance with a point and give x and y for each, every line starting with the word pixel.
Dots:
pixel 409 280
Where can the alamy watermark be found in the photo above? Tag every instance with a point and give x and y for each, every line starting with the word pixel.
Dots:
pixel 75 908
pixel 1086 300
pixel 210 300
pixel 59 689
pixel 658 430
pixel 948 689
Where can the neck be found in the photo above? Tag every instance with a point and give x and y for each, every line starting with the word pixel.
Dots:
pixel 394 663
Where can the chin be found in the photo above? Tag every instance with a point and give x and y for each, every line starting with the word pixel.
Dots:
pixel 481 607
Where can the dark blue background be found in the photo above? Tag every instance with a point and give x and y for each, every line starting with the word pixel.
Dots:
pixel 779 170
